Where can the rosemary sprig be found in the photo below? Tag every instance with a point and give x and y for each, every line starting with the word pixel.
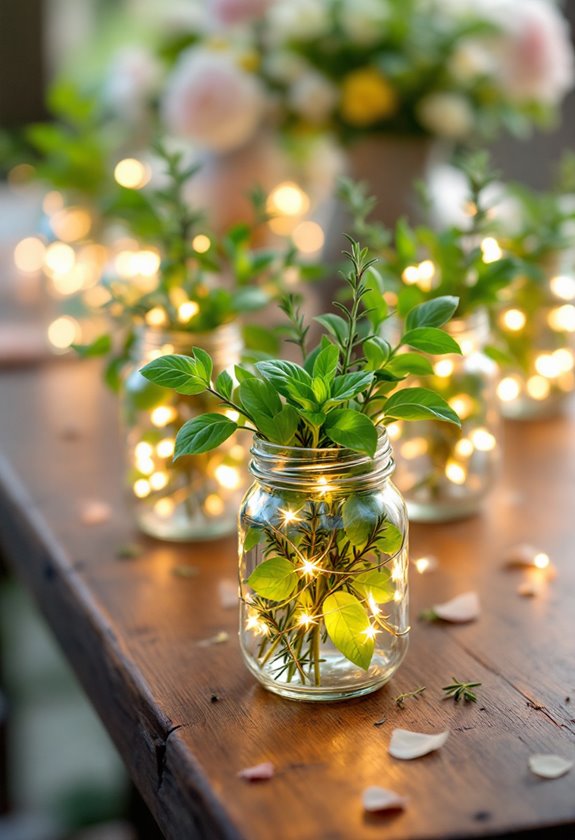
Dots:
pixel 461 691
pixel 401 698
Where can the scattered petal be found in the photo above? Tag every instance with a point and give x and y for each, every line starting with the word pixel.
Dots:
pixel 185 571
pixel 228 592
pixel 95 513
pixel 406 745
pixel 463 608
pixel 219 639
pixel 380 799
pixel 525 555
pixel 529 589
pixel 259 773
pixel 427 564
pixel 549 766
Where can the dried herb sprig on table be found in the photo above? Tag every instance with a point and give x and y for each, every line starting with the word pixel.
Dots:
pixel 461 691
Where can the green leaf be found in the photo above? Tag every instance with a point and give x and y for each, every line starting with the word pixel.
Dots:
pixel 320 389
pixel 251 538
pixel 274 579
pixel 419 404
pixel 225 384
pixel 335 325
pixel 200 434
pixel 376 350
pixel 349 385
pixel 432 313
pixel 410 363
pixel 346 622
pixel 243 373
pixel 497 355
pixel 431 340
pixel 377 584
pixel 259 398
pixel 389 539
pixel 204 363
pixel 181 373
pixel 360 514
pixel 284 375
pixel 260 338
pixel 99 347
pixel 351 429
pixel 280 428
pixel 326 362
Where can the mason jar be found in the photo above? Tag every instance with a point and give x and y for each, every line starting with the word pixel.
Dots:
pixel 194 498
pixel 537 327
pixel 323 571
pixel 445 472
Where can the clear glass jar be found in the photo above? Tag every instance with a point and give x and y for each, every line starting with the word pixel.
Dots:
pixel 195 498
pixel 537 326
pixel 323 571
pixel 444 472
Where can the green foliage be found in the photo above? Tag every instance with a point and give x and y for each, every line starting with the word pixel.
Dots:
pixel 274 579
pixel 346 622
pixel 344 389
pixel 203 433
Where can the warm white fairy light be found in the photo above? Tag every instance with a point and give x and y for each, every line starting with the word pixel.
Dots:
pixel 164 508
pixel 70 283
pixel 322 485
pixel 228 477
pixel 373 606
pixel 308 237
pixel 29 255
pixel 371 632
pixel 201 243
pixel 132 174
pixel 490 250
pixel 538 387
pixel 424 565
pixel 455 472
pixel 187 310
pixel 414 448
pixel 426 270
pixel 237 452
pixel 254 623
pixel 563 286
pixel 162 415
pixel 309 567
pixel 71 224
pixel 562 318
pixel 410 275
pixel 306 620
pixel 443 368
pixel 156 317
pixel 464 448
pixel 142 488
pixel 232 414
pixel 289 516
pixel 59 258
pixel 397 596
pixel 547 366
pixel 214 505
pixel 63 332
pixel 165 448
pixel 143 450
pixel 288 199
pixel 564 359
pixel 394 431
pixel 514 319
pixel 158 480
pixel 508 389
pixel 566 382
pixel 541 560
pixel 462 404
pixel 396 572
pixel 483 440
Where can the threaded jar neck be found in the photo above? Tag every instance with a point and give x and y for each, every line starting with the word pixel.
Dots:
pixel 335 470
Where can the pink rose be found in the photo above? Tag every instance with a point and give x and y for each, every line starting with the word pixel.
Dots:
pixel 133 80
pixel 211 101
pixel 231 12
pixel 536 57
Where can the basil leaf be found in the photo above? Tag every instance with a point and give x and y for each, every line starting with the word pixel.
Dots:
pixel 431 340
pixel 376 351
pixel 405 363
pixel 432 313
pixel 375 584
pixel 326 362
pixel 274 579
pixel 419 404
pixel 351 429
pixel 182 373
pixel 349 385
pixel 346 622
pixel 335 325
pixel 360 514
pixel 200 434
pixel 225 384
pixel 99 347
pixel 284 375
pixel 259 398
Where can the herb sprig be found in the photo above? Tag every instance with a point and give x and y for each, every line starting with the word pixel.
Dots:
pixel 461 691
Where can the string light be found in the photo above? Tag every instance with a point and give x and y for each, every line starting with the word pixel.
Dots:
pixel 71 224
pixel 538 387
pixel 373 606
pixel 564 359
pixel 455 472
pixel 228 477
pixel 289 516
pixel 508 389
pixel 143 450
pixel 213 505
pixel 308 237
pixel 414 448
pixel 462 404
pixel 162 415
pixel 483 440
pixel 371 632
pixel 165 448
pixel 156 317
pixel 424 565
pixel 309 567
pixel 306 620
pixel 141 488
pixel 159 480
pixel 410 275
pixel 563 287
pixel 443 368
pixel 63 332
pixel 201 243
pixel 164 508
pixel 547 366
pixel 514 320
pixel 288 199
pixel 490 250
pixel 541 560
pixel 394 431
pixel 132 174
pixel 59 258
pixel 187 310
pixel 562 318
pixel 253 622
pixel 232 414
pixel 464 448
pixel 29 255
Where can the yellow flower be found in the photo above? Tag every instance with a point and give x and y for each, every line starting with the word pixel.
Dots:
pixel 367 97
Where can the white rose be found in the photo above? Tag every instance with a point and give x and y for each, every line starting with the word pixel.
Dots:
pixel 471 59
pixel 298 19
pixel 285 66
pixel 363 21
pixel 313 97
pixel 212 101
pixel 446 114
pixel 133 80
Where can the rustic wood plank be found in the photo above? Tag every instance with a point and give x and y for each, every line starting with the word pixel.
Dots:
pixel 130 629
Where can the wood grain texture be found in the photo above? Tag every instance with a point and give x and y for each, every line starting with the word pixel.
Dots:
pixel 131 629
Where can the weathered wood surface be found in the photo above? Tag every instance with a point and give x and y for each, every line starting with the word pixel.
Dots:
pixel 130 628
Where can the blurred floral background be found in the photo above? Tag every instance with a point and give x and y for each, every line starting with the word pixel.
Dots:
pixel 258 106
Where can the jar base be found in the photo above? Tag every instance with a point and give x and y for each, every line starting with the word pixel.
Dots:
pixel 352 682
pixel 184 529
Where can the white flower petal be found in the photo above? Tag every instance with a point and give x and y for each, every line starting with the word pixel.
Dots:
pixel 259 773
pixel 463 608
pixel 380 799
pixel 406 745
pixel 549 766
pixel 522 554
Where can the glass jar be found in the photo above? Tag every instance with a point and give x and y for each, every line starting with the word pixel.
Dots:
pixel 194 498
pixel 323 571
pixel 445 472
pixel 537 327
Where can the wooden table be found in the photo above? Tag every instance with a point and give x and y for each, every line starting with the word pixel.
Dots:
pixel 186 717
